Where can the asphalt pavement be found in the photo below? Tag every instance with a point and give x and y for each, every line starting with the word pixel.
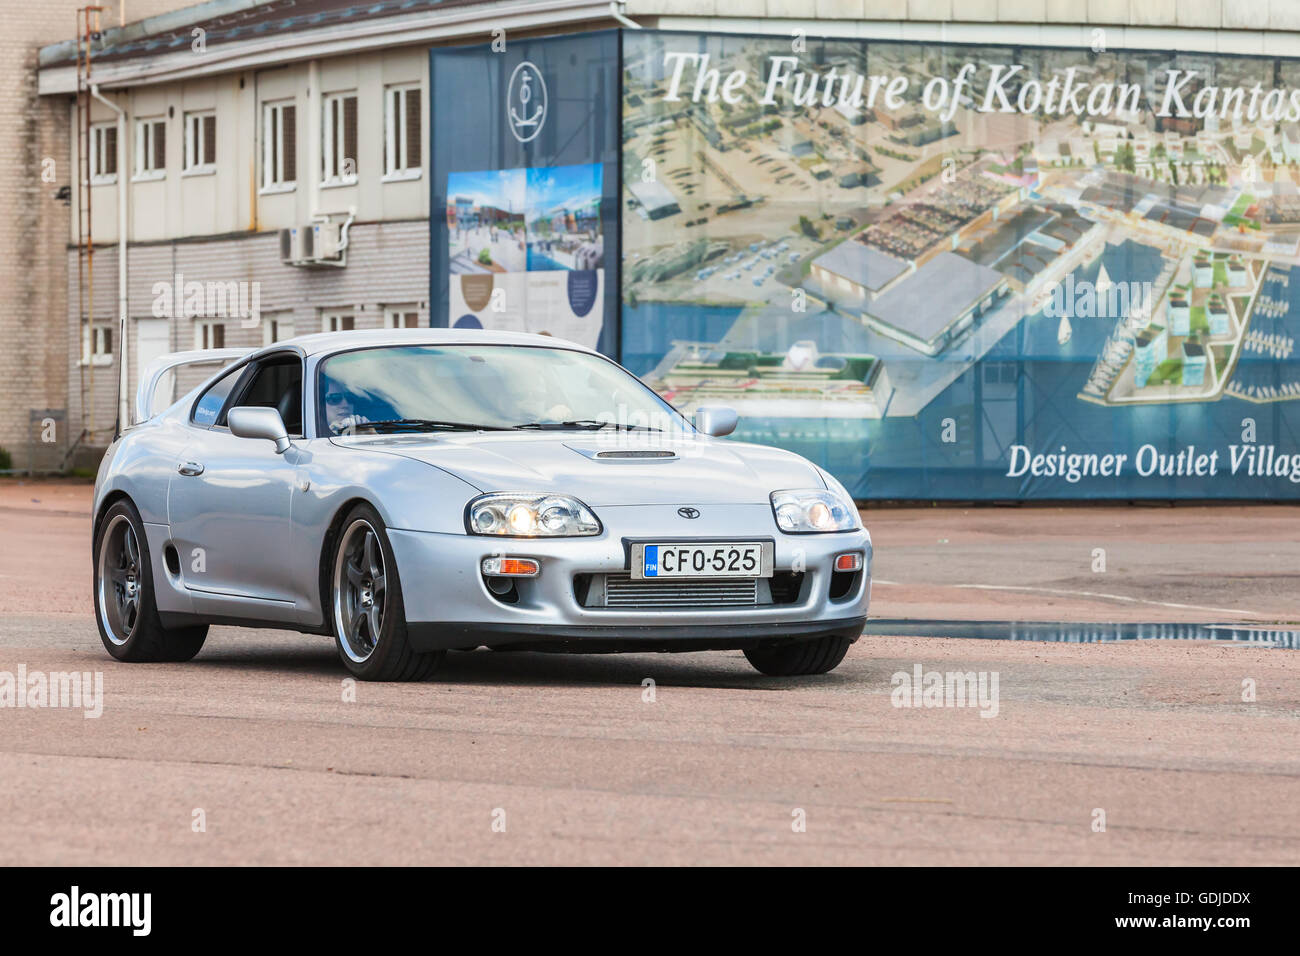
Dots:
pixel 259 750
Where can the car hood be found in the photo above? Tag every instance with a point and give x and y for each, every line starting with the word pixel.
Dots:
pixel 610 469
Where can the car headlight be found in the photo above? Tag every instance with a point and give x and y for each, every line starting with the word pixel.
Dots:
pixel 814 511
pixel 530 516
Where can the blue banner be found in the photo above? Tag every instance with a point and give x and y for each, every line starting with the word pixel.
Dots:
pixel 525 185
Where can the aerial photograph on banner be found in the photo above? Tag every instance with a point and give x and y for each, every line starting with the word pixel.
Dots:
pixel 851 232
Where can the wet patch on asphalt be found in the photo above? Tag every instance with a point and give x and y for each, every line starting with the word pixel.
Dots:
pixel 1072 632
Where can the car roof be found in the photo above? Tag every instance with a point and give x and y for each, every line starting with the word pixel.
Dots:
pixel 326 342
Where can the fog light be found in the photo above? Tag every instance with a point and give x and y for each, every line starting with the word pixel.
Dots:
pixel 848 562
pixel 503 588
pixel 512 567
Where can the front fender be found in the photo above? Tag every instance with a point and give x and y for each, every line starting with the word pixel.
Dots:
pixel 409 496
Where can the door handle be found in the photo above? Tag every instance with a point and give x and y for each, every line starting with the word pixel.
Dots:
pixel 190 468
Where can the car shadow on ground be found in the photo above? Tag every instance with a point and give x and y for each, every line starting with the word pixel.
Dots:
pixel 706 669
pixel 322 661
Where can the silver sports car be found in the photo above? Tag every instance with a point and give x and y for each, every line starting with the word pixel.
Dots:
pixel 416 491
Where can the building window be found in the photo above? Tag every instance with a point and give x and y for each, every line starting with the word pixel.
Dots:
pixel 150 149
pixel 209 335
pixel 340 139
pixel 200 142
pixel 337 322
pixel 401 317
pixel 103 154
pixel 279 146
pixel 277 328
pixel 402 127
pixel 101 346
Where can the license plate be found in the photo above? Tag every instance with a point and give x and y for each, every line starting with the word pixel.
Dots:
pixel 745 559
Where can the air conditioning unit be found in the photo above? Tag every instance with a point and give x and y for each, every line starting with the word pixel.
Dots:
pixel 296 245
pixel 326 241
pixel 316 244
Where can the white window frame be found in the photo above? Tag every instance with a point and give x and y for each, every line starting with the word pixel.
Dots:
pixel 393 313
pixel 276 327
pixel 395 134
pixel 194 142
pixel 145 131
pixel 333 320
pixel 333 139
pixel 103 352
pixel 204 336
pixel 273 131
pixel 98 135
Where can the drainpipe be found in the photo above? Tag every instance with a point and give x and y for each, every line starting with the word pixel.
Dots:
pixel 616 8
pixel 343 233
pixel 123 349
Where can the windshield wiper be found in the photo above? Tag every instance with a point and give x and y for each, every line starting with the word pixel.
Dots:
pixel 589 424
pixel 426 424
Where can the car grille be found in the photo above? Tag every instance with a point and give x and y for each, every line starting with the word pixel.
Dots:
pixel 622 591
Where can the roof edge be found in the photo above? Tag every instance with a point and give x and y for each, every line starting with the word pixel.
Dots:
pixel 149 26
pixel 451 21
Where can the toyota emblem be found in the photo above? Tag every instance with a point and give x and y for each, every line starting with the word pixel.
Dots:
pixel 689 512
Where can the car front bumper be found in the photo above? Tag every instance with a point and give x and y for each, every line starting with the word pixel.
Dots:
pixel 448 603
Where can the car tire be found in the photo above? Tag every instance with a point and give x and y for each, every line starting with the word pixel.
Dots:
pixel 369 618
pixel 798 658
pixel 125 608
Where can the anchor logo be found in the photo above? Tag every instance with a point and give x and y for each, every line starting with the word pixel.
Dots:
pixel 526 102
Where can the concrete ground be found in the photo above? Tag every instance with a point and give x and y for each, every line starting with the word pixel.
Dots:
pixel 1152 738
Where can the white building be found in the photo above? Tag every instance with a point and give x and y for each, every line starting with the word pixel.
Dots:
pixel 283 117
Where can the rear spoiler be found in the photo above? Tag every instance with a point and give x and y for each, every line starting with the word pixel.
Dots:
pixel 146 404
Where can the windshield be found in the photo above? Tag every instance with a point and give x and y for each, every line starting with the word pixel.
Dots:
pixel 433 387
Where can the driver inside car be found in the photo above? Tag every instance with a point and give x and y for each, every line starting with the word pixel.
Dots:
pixel 340 410
pixel 537 401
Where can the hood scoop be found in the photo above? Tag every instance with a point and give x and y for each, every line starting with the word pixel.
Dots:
pixel 642 455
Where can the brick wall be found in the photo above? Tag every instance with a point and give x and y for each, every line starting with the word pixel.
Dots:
pixel 34 229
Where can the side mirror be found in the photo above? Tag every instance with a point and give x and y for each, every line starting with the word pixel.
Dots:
pixel 716 420
pixel 251 422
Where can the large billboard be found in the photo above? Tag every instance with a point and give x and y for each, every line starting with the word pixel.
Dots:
pixel 948 271
pixel 525 172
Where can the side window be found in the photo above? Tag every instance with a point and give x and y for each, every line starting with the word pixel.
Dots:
pixel 210 403
pixel 277 383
